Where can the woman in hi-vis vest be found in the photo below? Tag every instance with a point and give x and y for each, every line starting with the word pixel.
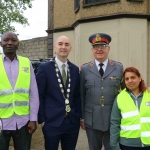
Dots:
pixel 130 117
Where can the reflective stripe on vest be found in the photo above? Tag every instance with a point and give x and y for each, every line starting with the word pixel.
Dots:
pixel 21 103
pixel 130 114
pixel 21 90
pixel 6 92
pixel 145 119
pixel 15 100
pixel 3 105
pixel 134 124
pixel 130 128
pixel 145 134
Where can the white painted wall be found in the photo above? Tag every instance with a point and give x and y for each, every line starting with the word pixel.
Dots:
pixel 129 42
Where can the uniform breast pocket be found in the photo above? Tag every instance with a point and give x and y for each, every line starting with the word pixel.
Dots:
pixel 115 87
pixel 90 87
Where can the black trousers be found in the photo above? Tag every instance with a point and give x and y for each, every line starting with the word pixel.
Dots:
pixel 123 147
pixel 66 133
pixel 21 139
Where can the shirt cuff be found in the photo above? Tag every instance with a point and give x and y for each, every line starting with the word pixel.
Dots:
pixel 33 117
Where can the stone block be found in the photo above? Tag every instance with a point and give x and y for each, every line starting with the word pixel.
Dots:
pixel 44 53
pixel 42 49
pixel 45 41
pixel 31 57
pixel 34 46
pixel 35 57
pixel 41 42
pixel 30 50
pixel 30 43
pixel 36 43
pixel 25 50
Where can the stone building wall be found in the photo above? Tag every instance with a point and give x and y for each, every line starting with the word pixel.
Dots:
pixel 64 15
pixel 34 48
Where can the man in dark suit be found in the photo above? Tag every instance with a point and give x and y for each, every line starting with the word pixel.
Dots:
pixel 100 84
pixel 60 106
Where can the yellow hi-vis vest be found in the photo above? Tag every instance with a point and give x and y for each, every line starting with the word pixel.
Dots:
pixel 134 123
pixel 15 100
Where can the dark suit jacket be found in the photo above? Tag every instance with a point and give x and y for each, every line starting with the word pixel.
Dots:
pixel 52 103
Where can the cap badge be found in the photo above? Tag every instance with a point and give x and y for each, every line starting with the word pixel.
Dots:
pixel 111 63
pixel 98 38
pixel 91 63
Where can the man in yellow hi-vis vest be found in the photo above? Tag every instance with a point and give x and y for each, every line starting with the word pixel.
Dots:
pixel 19 100
pixel 130 117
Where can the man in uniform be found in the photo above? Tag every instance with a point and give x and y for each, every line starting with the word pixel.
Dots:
pixel 100 82
pixel 60 105
pixel 19 100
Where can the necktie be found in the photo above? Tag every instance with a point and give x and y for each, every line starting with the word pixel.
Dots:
pixel 101 71
pixel 64 74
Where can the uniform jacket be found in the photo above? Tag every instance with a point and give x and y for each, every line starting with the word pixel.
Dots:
pixel 52 104
pixel 95 88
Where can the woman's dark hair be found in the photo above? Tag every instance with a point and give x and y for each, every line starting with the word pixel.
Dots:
pixel 142 86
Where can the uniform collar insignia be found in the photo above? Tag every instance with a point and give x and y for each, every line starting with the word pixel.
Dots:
pixel 91 63
pixel 111 63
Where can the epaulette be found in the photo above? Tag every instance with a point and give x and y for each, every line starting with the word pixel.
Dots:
pixel 120 63
pixel 91 63
pixel 116 62
pixel 82 65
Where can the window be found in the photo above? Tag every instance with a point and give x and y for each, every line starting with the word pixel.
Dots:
pixel 136 0
pixel 91 1
pixel 76 5
pixel 95 2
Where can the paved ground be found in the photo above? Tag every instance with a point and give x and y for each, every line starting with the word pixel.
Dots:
pixel 38 141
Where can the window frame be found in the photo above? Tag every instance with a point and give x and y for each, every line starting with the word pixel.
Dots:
pixel 98 3
pixel 135 0
pixel 76 5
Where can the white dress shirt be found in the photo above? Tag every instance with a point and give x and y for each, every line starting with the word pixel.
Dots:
pixel 104 66
pixel 59 63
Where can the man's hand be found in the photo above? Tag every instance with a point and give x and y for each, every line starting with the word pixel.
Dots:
pixel 82 125
pixel 31 127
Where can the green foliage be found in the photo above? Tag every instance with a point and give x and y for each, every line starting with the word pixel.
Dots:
pixel 12 11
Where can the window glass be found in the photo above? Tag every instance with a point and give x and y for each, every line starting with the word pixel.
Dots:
pixel 76 5
pixel 98 1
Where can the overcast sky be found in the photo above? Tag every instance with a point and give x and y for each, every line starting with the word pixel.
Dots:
pixel 38 20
